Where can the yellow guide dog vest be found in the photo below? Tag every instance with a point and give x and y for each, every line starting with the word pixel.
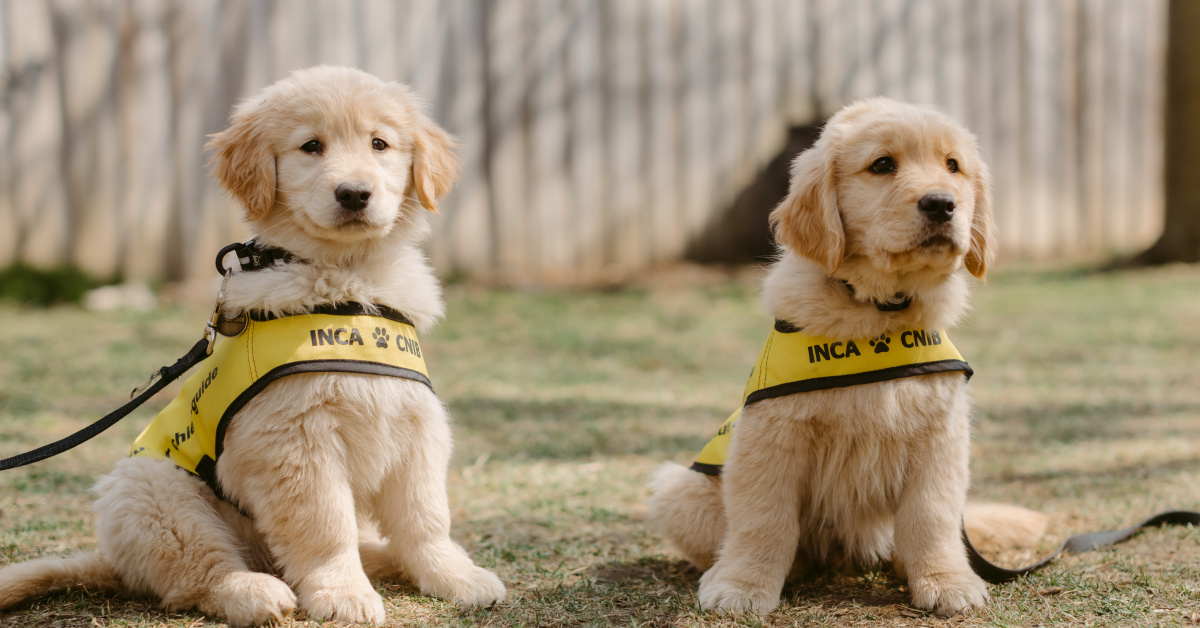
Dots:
pixel 344 339
pixel 793 362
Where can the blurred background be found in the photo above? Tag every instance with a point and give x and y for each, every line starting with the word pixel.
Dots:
pixel 600 137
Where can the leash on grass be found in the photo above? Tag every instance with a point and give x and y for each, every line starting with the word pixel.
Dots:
pixel 158 381
pixel 251 257
pixel 1077 544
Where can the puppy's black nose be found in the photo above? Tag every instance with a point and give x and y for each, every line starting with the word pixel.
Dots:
pixel 353 196
pixel 938 207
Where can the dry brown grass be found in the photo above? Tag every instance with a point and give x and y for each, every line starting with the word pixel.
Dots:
pixel 1088 389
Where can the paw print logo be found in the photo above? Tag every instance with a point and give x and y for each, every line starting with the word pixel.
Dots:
pixel 381 337
pixel 881 344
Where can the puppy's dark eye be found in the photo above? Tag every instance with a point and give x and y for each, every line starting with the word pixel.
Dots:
pixel 883 165
pixel 379 144
pixel 311 146
pixel 952 165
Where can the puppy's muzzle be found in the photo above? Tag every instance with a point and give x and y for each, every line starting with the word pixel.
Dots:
pixel 353 196
pixel 937 207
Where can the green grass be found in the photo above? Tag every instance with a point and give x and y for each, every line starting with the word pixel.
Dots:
pixel 1088 390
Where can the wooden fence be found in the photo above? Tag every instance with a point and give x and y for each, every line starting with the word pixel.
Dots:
pixel 598 135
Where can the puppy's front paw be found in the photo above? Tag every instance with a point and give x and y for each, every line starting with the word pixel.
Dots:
pixel 948 593
pixel 253 599
pixel 474 586
pixel 345 603
pixel 722 591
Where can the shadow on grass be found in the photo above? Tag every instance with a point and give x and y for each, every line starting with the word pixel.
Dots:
pixel 1073 422
pixel 505 428
pixel 79 607
pixel 877 590
pixel 1102 475
pixel 679 573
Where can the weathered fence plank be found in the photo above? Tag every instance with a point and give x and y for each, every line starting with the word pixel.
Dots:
pixel 39 192
pixel 145 97
pixel 587 147
pixel 9 221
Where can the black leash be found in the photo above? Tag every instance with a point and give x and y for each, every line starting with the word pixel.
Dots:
pixel 166 375
pixel 251 257
pixel 1077 544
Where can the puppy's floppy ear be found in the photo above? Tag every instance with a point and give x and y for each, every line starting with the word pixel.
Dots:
pixel 434 164
pixel 244 160
pixel 807 221
pixel 983 239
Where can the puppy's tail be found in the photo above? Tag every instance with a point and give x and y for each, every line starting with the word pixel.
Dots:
pixel 998 527
pixel 686 506
pixel 25 581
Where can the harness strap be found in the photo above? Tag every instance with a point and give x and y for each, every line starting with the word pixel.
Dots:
pixel 349 308
pixel 1077 544
pixel 897 303
pixel 167 375
pixel 253 256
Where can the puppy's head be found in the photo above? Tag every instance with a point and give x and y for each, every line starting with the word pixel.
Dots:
pixel 336 152
pixel 890 188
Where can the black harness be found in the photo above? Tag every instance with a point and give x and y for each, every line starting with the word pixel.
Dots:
pixel 898 302
pixel 253 256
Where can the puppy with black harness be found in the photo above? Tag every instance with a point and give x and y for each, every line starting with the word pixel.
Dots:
pixel 308 454
pixel 257 350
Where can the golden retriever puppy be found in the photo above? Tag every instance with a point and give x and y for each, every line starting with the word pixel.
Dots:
pixel 338 168
pixel 883 214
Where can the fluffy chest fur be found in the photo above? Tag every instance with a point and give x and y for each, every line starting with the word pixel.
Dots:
pixel 365 424
pixel 855 451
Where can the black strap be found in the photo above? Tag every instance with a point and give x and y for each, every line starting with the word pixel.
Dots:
pixel 1077 544
pixel 168 374
pixel 349 308
pixel 253 256
pixel 899 302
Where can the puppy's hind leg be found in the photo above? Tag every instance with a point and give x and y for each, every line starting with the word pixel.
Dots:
pixel 159 527
pixel 414 514
pixel 998 527
pixel 686 506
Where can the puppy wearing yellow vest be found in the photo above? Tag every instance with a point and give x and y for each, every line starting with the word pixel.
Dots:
pixel 309 453
pixel 851 447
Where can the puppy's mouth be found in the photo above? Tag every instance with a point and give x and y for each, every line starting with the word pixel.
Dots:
pixel 939 241
pixel 345 226
pixel 355 220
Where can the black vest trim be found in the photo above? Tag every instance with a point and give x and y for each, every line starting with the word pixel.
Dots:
pixel 295 368
pixel 349 308
pixel 870 377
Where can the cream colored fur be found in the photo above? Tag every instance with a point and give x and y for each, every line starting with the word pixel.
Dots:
pixel 853 477
pixel 343 474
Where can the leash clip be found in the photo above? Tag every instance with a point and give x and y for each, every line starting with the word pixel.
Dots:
pixel 219 323
pixel 210 328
